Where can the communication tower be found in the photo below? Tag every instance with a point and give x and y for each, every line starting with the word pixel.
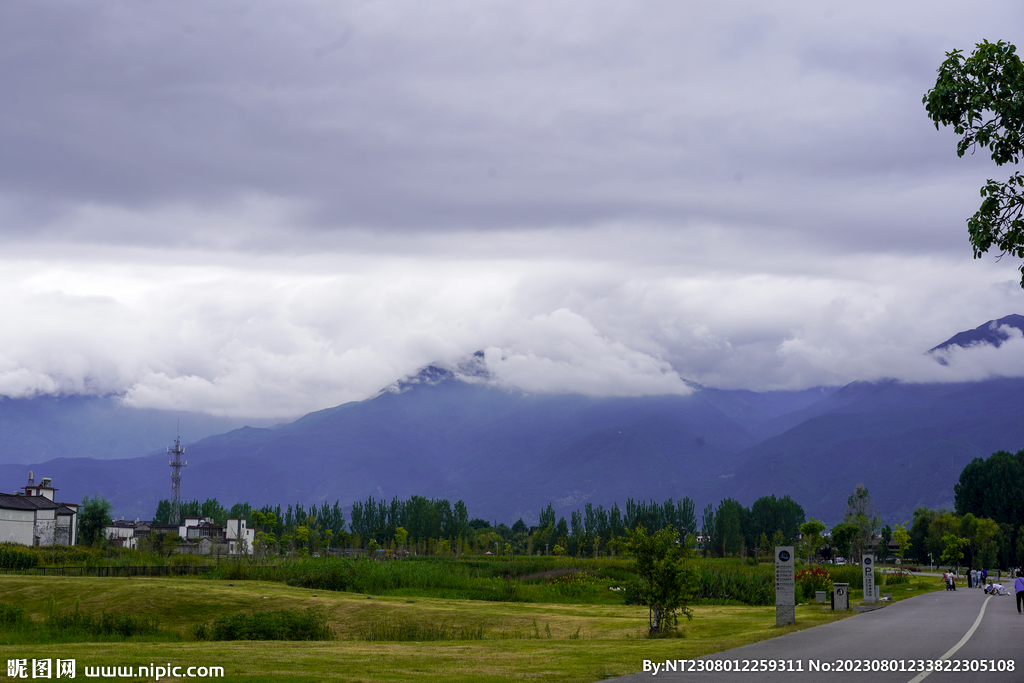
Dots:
pixel 176 466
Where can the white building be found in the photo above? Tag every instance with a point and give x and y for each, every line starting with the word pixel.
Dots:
pixel 127 533
pixel 239 536
pixel 32 517
pixel 200 535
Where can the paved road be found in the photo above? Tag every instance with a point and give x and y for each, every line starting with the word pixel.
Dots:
pixel 958 625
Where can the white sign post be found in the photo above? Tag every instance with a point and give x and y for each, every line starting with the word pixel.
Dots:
pixel 785 586
pixel 868 564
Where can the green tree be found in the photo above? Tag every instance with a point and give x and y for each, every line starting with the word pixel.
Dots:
pixel 984 542
pixel 729 528
pixel 885 535
pixel 920 534
pixel 769 514
pixel 163 512
pixel 953 549
pixel 860 512
pixel 667 583
pixel 811 532
pixel 943 524
pixel 762 547
pixel 902 537
pixel 709 529
pixel 93 519
pixel 161 542
pixel 842 536
pixel 980 96
pixel 993 488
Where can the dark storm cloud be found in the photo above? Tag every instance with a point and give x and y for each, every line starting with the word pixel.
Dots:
pixel 387 117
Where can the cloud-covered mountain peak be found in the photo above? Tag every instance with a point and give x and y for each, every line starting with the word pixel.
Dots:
pixel 471 368
pixel 993 333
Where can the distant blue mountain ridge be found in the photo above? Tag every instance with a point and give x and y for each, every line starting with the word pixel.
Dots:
pixel 449 432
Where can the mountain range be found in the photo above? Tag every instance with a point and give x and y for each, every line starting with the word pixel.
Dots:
pixel 450 432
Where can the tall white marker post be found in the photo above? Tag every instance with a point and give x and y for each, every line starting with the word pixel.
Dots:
pixel 785 586
pixel 868 564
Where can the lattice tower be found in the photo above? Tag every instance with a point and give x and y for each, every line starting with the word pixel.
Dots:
pixel 176 466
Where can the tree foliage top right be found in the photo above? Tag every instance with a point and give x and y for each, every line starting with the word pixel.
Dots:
pixel 982 97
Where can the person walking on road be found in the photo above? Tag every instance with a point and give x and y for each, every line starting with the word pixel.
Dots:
pixel 1018 588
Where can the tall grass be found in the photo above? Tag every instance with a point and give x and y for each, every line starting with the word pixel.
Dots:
pixel 83 625
pixel 19 557
pixel 15 557
pixel 851 574
pixel 440 578
pixel 408 630
pixel 724 584
pixel 69 627
pixel 547 579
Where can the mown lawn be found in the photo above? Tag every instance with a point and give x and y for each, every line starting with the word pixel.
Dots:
pixel 537 641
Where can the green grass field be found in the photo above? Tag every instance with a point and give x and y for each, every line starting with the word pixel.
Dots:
pixel 510 640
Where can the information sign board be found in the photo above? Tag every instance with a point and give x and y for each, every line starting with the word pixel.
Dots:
pixel 785 585
pixel 868 566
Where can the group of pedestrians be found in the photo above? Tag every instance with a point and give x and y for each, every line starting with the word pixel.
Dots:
pixel 976 578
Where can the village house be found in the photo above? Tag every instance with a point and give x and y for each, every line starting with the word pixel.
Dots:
pixel 199 535
pixel 32 516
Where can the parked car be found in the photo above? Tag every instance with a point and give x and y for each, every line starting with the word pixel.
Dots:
pixel 840 560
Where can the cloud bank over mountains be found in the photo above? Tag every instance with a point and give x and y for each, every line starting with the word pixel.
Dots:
pixel 262 210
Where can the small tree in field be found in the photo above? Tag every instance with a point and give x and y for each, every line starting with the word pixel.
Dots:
pixel 666 584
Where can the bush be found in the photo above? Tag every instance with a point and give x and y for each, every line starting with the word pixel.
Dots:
pixel 572 585
pixel 12 617
pixel 897 578
pixel 274 625
pixel 813 579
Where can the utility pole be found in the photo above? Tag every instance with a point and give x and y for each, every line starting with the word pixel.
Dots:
pixel 176 466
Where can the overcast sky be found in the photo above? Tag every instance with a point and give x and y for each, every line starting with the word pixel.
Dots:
pixel 262 209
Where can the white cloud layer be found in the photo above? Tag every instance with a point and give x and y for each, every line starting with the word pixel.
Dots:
pixel 261 210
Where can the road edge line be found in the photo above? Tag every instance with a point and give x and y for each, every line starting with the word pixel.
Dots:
pixel 952 651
